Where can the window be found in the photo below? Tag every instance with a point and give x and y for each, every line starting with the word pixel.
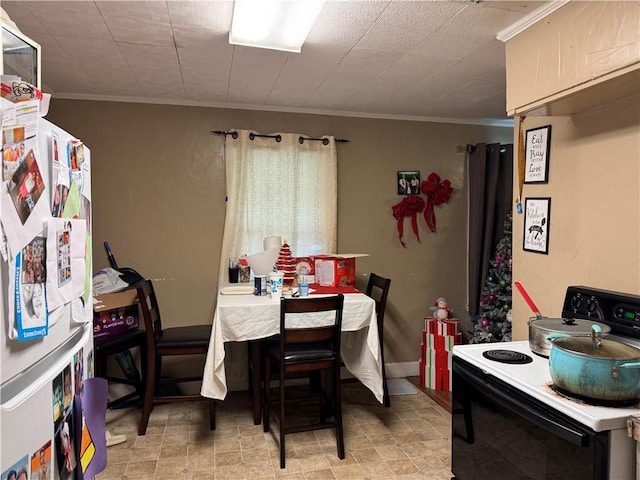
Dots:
pixel 284 188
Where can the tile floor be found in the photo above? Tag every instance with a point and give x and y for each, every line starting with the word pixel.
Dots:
pixel 410 440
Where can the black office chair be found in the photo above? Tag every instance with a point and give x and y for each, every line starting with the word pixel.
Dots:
pixel 307 352
pixel 378 289
pixel 163 342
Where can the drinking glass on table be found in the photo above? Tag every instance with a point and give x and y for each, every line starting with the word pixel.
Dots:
pixel 234 268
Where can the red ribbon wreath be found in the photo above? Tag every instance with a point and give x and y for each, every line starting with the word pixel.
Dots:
pixel 410 206
pixel 436 193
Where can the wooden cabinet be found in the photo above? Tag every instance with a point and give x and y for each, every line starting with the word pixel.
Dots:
pixel 582 55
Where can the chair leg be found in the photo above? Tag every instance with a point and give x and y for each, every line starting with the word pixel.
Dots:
pixel 157 374
pixel 385 396
pixel 282 417
pixel 143 373
pixel 150 385
pixel 265 395
pixel 386 399
pixel 337 409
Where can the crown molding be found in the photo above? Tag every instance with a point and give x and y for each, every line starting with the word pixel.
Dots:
pixel 531 19
pixel 494 122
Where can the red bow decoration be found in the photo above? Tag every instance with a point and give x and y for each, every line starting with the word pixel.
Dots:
pixel 436 193
pixel 410 206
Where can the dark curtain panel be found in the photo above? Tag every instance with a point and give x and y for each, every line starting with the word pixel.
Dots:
pixel 490 179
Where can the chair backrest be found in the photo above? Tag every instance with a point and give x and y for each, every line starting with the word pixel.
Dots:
pixel 329 332
pixel 378 289
pixel 150 312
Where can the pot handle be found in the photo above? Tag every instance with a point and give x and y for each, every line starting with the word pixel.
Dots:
pixel 630 365
pixel 553 336
pixel 596 333
pixel 528 299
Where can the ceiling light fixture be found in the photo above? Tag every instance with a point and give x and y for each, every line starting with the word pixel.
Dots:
pixel 275 24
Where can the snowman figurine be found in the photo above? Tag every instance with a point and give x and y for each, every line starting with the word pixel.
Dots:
pixel 441 309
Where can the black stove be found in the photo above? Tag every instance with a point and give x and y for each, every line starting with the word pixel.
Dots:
pixel 508 411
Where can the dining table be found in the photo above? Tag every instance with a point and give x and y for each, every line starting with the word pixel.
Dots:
pixel 241 316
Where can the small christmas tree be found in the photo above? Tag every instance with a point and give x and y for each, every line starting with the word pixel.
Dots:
pixel 494 322
pixel 286 264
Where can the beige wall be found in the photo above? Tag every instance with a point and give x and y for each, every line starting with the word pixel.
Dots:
pixel 158 198
pixel 594 185
pixel 594 172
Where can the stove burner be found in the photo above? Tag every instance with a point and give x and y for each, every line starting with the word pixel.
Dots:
pixel 507 356
pixel 592 401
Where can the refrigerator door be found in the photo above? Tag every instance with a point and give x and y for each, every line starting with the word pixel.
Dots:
pixel 40 377
pixel 15 356
pixel 36 408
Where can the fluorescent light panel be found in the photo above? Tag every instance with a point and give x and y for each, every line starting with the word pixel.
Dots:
pixel 275 24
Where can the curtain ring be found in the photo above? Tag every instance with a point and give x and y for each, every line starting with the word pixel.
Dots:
pixel 301 140
pixel 278 138
pixel 325 141
pixel 234 135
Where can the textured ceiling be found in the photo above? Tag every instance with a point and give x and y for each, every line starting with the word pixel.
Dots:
pixel 393 59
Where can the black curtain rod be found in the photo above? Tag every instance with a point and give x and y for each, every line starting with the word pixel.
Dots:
pixel 473 148
pixel 278 138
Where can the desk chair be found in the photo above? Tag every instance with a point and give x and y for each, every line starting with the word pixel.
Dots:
pixel 164 342
pixel 378 289
pixel 306 351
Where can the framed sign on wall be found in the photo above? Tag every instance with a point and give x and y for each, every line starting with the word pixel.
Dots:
pixel 537 146
pixel 536 224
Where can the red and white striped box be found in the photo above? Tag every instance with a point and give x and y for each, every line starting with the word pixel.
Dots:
pixel 435 366
pixel 449 326
pixel 441 342
pixel 435 378
pixel 438 339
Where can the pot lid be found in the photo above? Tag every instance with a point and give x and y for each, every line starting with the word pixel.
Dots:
pixel 569 325
pixel 608 349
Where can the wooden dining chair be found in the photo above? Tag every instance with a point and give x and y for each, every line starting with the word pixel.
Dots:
pixel 168 342
pixel 306 351
pixel 378 289
pixel 120 346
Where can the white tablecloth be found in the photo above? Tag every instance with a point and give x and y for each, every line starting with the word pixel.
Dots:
pixel 249 317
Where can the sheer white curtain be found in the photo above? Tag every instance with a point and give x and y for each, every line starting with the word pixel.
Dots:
pixel 284 188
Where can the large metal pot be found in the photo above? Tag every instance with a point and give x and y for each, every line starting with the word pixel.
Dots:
pixel 595 368
pixel 541 327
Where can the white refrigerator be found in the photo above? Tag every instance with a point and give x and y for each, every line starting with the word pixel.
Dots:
pixel 46 356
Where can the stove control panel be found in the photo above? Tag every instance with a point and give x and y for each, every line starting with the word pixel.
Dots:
pixel 621 311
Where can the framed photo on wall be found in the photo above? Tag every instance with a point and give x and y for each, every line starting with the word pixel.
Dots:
pixel 408 182
pixel 536 224
pixel 536 157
